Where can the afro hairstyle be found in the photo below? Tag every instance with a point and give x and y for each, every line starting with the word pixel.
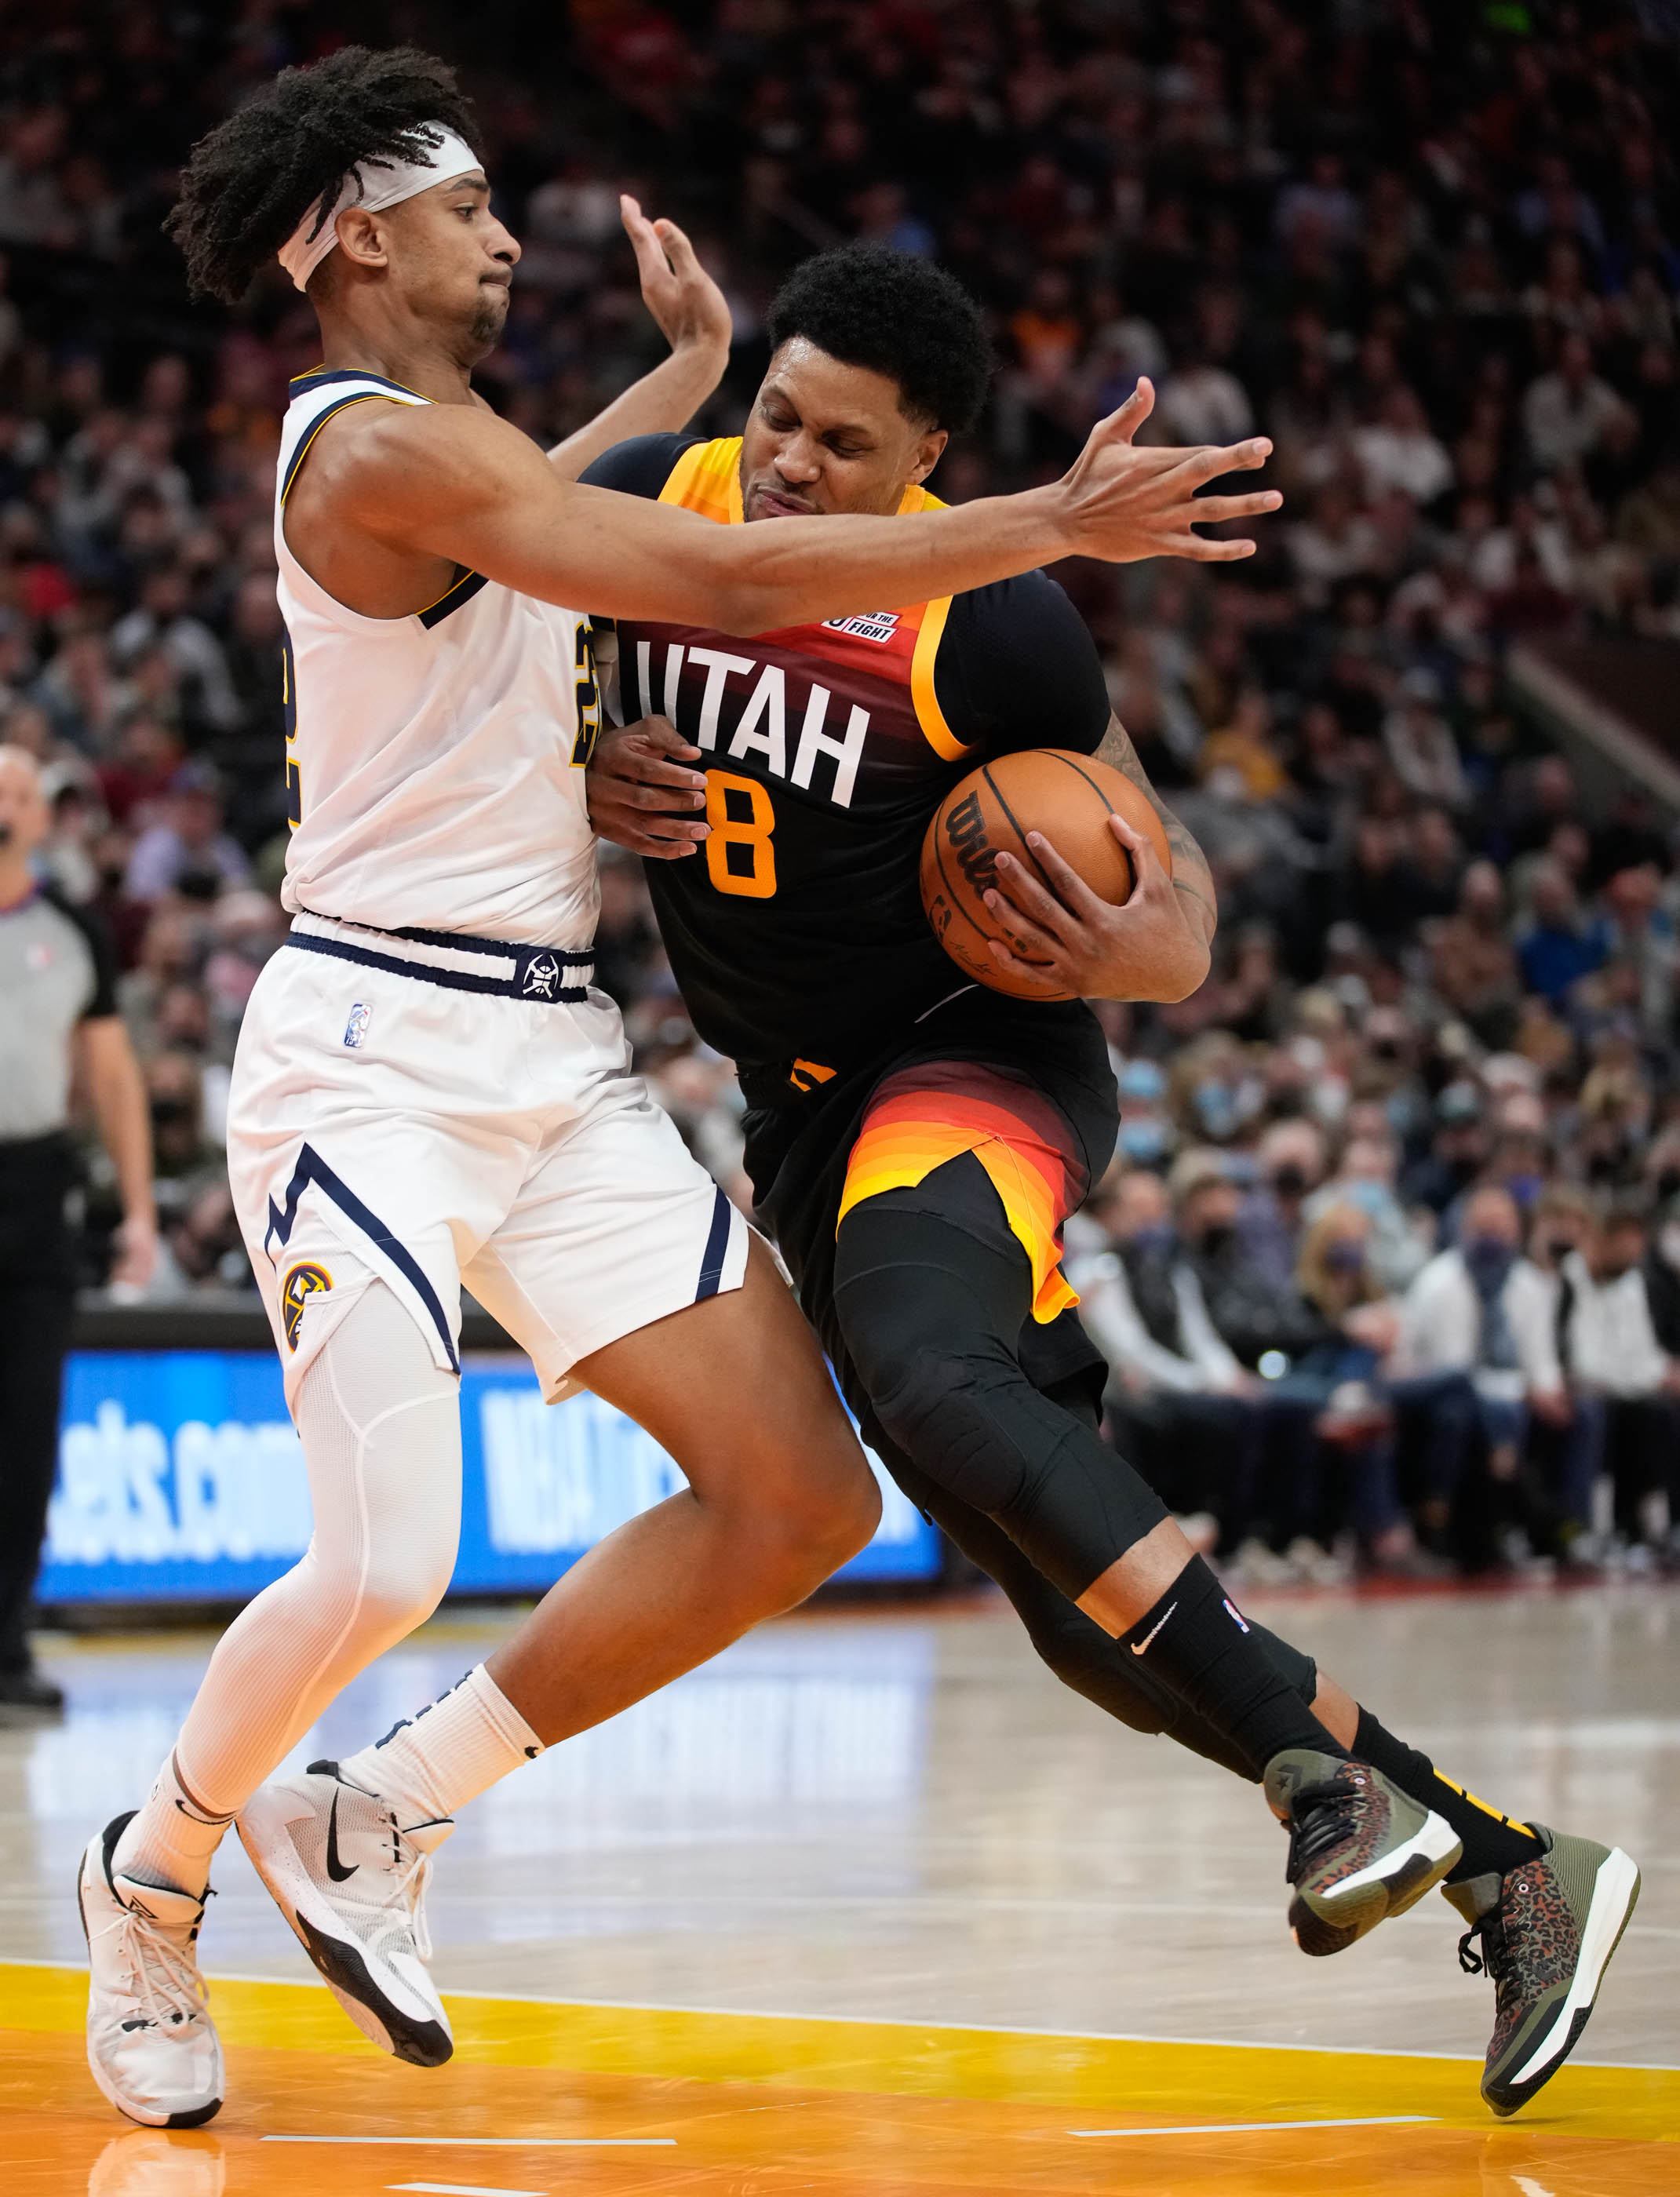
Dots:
pixel 253 179
pixel 897 314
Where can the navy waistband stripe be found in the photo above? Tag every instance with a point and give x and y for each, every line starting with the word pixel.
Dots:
pixel 537 975
pixel 577 957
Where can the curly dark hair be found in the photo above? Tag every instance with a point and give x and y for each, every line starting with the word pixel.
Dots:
pixel 897 314
pixel 253 179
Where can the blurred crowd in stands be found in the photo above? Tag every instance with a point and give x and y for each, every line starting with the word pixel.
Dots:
pixel 1388 1268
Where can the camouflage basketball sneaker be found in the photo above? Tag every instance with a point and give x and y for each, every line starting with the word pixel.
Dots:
pixel 1548 1929
pixel 1360 1850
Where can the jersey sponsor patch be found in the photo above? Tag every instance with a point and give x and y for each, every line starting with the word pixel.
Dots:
pixel 303 1281
pixel 867 625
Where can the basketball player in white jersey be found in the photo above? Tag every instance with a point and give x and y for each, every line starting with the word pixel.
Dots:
pixel 428 1093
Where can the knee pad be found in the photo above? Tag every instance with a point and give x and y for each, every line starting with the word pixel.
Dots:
pixel 974 1424
pixel 942 1409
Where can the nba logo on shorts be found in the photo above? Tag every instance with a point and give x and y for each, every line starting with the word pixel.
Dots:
pixel 356 1030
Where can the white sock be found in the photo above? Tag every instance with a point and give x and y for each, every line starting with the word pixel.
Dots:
pixel 436 1761
pixel 170 1840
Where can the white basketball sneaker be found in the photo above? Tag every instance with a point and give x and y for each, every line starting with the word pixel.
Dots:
pixel 351 1878
pixel 151 2044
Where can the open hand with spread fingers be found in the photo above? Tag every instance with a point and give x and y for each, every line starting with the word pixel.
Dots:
pixel 1125 503
pixel 691 310
pixel 1072 940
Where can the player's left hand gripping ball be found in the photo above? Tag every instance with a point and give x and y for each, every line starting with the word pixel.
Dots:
pixel 1076 943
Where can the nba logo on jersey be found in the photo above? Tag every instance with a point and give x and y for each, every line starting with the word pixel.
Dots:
pixel 356 1030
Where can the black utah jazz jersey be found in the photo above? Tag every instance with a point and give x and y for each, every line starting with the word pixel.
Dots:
pixel 797 932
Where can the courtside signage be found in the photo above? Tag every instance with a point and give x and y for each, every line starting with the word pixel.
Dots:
pixel 179 1478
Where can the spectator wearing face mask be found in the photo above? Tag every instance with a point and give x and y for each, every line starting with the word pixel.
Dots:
pixel 1519 1160
pixel 1627 1384
pixel 1253 1316
pixel 1457 1150
pixel 1564 1454
pixel 1290 1157
pixel 1365 1178
pixel 1562 1222
pixel 1181 1406
pixel 1354 1425
pixel 187 849
pixel 1145 1136
pixel 1477 1354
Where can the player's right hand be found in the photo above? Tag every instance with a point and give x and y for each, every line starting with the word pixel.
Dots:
pixel 639 797
pixel 692 311
pixel 1124 503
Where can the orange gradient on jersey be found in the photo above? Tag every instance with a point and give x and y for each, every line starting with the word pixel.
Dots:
pixel 927 1116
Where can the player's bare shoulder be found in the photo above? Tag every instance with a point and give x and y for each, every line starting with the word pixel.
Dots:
pixel 362 511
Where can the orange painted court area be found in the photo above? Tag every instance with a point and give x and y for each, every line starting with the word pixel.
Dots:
pixel 544 2098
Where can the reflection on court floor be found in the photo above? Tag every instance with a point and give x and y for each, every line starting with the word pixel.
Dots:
pixel 929 1893
pixel 581 2100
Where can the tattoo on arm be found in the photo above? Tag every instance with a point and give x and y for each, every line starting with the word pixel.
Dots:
pixel 1191 878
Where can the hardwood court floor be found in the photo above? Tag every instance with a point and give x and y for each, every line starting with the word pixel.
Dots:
pixel 954 1933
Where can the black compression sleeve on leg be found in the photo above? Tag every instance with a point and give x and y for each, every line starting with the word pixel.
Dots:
pixel 931 1290
pixel 1203 1648
pixel 1493 1843
pixel 1084 1657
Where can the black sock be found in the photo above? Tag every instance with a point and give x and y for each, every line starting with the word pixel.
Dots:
pixel 1197 1643
pixel 1493 1843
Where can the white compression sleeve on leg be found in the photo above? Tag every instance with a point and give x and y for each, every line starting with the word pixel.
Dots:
pixel 448 1754
pixel 381 1426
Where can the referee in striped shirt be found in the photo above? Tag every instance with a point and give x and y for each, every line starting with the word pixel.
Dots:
pixel 58 1027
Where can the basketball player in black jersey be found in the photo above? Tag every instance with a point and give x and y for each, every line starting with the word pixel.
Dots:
pixel 915 1142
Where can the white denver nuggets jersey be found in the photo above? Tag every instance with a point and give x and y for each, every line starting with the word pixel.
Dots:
pixel 434 763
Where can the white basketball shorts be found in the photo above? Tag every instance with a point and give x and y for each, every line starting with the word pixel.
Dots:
pixel 437 1110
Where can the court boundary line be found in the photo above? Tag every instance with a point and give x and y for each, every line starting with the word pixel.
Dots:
pixel 1269 2128
pixel 497 2142
pixel 913 2022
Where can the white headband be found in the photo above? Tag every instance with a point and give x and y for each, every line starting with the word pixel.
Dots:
pixel 393 182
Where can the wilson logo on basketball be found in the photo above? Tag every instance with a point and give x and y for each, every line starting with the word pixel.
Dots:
pixel 966 834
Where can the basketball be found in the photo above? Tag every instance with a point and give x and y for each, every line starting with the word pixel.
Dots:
pixel 1069 798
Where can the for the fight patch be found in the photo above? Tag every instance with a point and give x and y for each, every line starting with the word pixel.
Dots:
pixel 300 1284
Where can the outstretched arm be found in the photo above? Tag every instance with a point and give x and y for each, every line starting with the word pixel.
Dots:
pixel 693 317
pixel 450 481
